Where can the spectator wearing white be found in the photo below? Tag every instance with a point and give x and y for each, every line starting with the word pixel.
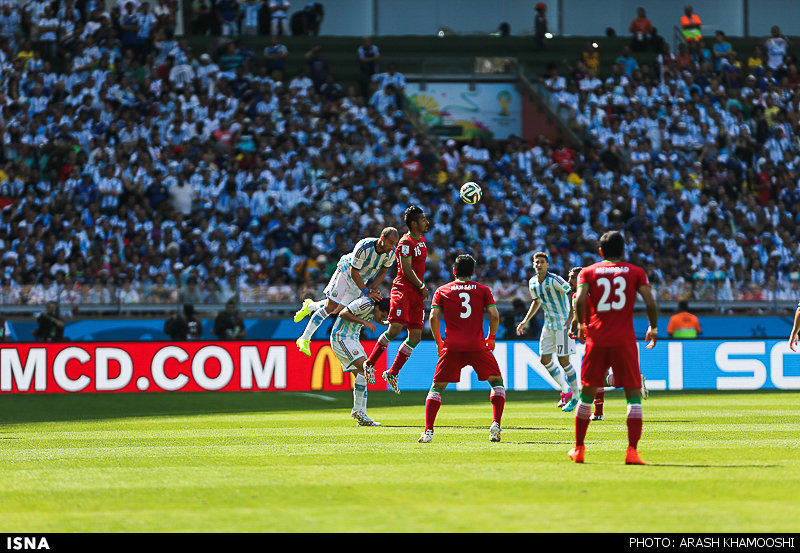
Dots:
pixel 10 24
pixel 301 83
pixel 279 17
pixel 181 74
pixel 391 76
pixel 109 189
pixel 275 55
pixel 182 196
pixel 146 23
pixel 451 157
pixel 48 26
pixel 165 14
pixel 384 100
pixel 206 71
pixel 250 9
pixel 35 11
pixel 776 47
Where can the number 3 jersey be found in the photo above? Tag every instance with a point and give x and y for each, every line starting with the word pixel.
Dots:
pixel 462 303
pixel 613 286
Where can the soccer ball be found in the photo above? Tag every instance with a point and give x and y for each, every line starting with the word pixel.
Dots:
pixel 471 193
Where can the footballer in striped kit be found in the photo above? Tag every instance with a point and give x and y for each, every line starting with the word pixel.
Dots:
pixel 553 294
pixel 346 345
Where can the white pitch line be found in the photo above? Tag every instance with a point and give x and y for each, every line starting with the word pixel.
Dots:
pixel 317 396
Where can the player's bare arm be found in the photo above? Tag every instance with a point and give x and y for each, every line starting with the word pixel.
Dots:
pixel 580 312
pixel 535 304
pixel 652 315
pixel 356 276
pixel 494 324
pixel 434 316
pixel 348 315
pixel 795 330
pixel 405 263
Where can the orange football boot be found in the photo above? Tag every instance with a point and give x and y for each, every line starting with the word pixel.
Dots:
pixel 632 457
pixel 576 453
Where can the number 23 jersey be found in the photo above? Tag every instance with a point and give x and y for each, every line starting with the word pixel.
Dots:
pixel 613 286
pixel 463 302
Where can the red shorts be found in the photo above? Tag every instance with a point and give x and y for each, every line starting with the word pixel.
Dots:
pixel 448 369
pixel 406 307
pixel 622 359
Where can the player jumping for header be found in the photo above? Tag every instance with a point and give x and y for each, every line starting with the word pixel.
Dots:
pixel 407 307
pixel 369 260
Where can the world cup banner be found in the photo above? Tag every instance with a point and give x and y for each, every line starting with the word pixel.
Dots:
pixel 172 367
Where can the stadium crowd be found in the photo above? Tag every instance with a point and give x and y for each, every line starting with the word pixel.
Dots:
pixel 136 170
pixel 697 159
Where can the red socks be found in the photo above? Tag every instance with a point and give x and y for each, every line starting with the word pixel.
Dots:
pixel 403 354
pixel 598 401
pixel 432 404
pixel 497 397
pixel 582 417
pixel 380 347
pixel 634 422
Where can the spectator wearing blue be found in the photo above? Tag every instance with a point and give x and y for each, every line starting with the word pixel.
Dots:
pixel 627 61
pixel 721 49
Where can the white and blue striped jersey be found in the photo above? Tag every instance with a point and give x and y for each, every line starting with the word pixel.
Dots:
pixel 366 260
pixel 554 295
pixel 362 308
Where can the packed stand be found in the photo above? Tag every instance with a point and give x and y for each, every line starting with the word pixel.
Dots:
pixel 137 171
pixel 696 158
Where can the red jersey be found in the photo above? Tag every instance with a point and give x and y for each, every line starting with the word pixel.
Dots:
pixel 462 303
pixel 417 250
pixel 613 286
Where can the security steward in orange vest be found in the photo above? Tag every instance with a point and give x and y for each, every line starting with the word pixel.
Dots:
pixel 690 25
pixel 683 325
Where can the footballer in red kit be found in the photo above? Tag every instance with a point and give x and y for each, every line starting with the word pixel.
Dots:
pixel 407 297
pixel 604 311
pixel 463 303
pixel 407 307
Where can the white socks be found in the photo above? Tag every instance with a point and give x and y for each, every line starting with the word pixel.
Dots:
pixel 360 393
pixel 316 320
pixel 572 378
pixel 555 371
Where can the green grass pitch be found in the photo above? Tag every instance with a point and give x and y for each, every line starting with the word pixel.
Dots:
pixel 294 462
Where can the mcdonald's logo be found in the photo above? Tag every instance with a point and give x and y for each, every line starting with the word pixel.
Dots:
pixel 326 357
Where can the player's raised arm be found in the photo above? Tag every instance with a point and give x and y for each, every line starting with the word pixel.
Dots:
pixel 652 314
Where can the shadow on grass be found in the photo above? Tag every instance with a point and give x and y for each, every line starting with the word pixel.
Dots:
pixel 28 408
pixel 708 466
pixel 32 408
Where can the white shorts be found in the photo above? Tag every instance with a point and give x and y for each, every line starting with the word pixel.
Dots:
pixel 556 342
pixel 347 351
pixel 341 289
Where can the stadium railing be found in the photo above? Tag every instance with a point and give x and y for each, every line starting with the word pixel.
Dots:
pixel 267 302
